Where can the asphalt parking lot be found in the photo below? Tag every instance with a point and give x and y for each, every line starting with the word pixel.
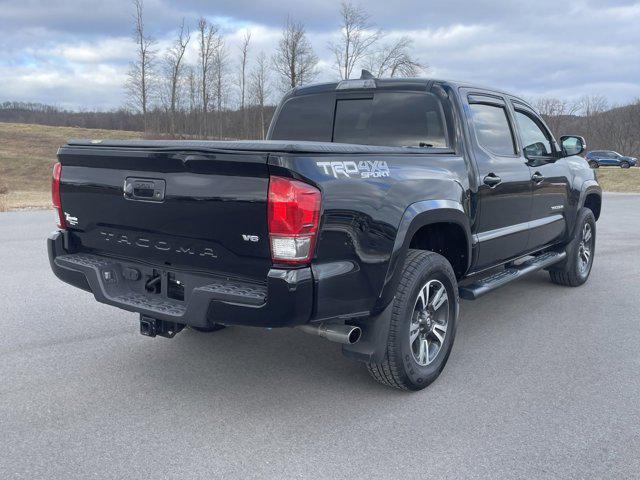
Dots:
pixel 543 382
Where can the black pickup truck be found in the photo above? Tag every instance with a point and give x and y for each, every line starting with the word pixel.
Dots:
pixel 373 206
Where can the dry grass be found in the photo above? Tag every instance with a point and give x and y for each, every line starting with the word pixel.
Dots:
pixel 27 154
pixel 616 179
pixel 4 190
pixel 21 199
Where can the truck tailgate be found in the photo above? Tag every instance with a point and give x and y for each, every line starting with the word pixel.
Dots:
pixel 195 209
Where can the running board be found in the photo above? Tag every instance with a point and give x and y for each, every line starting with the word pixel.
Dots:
pixel 508 275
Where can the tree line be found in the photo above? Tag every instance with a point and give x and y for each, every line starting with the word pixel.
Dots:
pixel 229 92
pixel 604 127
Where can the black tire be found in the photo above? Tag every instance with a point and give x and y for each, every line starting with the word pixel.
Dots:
pixel 213 328
pixel 400 368
pixel 572 272
pixel 625 165
pixel 593 164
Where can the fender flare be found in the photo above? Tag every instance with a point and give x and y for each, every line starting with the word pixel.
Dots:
pixel 416 216
pixel 589 187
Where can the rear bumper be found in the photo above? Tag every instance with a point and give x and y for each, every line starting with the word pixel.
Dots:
pixel 285 300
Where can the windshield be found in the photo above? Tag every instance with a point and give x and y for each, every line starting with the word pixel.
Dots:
pixel 400 119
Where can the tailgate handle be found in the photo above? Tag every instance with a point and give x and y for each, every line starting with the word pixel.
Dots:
pixel 144 189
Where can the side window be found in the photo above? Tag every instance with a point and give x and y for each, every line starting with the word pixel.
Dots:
pixel 535 141
pixel 492 128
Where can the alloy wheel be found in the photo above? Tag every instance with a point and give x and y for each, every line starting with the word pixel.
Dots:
pixel 585 249
pixel 429 322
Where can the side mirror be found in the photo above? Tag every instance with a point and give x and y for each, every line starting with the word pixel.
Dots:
pixel 572 145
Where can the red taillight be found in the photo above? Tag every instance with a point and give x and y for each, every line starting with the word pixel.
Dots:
pixel 55 194
pixel 293 215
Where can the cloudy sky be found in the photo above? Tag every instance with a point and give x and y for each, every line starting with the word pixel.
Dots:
pixel 75 53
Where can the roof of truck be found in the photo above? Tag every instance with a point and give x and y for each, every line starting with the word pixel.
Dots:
pixel 417 84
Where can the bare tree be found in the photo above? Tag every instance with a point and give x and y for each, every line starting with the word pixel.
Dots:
pixel 192 116
pixel 357 37
pixel 259 88
pixel 556 112
pixel 395 60
pixel 139 83
pixel 294 59
pixel 174 71
pixel 192 86
pixel 244 57
pixel 590 105
pixel 209 44
pixel 624 128
pixel 220 71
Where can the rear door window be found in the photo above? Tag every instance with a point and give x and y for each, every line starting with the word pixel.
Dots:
pixel 492 128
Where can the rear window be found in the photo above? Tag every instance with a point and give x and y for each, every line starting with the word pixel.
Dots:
pixel 386 119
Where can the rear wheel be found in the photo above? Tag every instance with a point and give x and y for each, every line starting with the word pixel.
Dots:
pixel 575 270
pixel 593 164
pixel 624 165
pixel 423 323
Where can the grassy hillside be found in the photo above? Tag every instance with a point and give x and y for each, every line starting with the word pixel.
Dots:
pixel 27 153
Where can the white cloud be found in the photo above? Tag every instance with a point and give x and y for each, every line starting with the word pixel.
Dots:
pixel 99 86
pixel 103 51
pixel 75 54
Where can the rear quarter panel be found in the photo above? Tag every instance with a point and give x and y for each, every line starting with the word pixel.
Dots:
pixel 361 216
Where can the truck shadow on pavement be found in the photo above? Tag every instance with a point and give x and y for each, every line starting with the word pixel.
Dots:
pixel 261 361
pixel 290 366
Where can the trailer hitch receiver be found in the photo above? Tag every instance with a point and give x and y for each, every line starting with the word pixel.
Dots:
pixel 152 327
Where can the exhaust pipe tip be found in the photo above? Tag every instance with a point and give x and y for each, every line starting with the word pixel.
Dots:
pixel 346 334
pixel 354 335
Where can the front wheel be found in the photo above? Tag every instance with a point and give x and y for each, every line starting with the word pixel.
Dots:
pixel 423 323
pixel 575 269
pixel 625 165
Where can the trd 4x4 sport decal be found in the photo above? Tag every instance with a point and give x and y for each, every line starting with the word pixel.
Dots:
pixel 350 169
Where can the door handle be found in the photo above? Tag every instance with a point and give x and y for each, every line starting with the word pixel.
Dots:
pixel 492 180
pixel 537 177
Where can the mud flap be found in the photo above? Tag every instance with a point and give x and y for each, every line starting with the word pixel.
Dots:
pixel 372 346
